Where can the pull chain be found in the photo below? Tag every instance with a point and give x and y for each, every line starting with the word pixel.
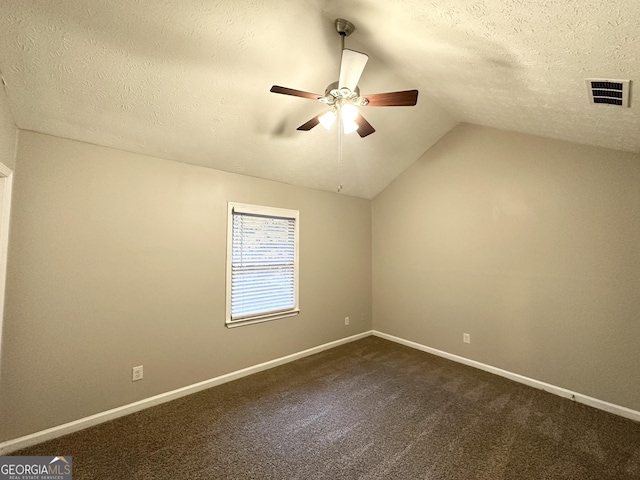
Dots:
pixel 340 127
pixel 339 166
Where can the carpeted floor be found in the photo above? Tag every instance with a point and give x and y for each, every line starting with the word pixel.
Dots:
pixel 371 409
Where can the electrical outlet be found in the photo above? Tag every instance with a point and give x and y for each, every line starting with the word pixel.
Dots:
pixel 346 320
pixel 136 374
pixel 466 338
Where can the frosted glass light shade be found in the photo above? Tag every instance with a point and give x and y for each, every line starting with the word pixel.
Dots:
pixel 349 112
pixel 349 126
pixel 327 119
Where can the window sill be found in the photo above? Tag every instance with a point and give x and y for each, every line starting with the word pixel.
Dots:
pixel 254 320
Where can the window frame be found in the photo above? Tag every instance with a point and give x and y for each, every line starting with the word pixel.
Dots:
pixel 245 208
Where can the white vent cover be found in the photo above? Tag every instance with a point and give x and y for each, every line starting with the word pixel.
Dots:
pixel 605 91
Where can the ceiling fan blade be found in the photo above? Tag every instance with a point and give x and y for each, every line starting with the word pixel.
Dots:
pixel 407 98
pixel 364 127
pixel 294 92
pixel 310 124
pixel 351 68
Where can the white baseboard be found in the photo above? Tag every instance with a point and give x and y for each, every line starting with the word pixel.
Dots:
pixel 82 423
pixel 562 392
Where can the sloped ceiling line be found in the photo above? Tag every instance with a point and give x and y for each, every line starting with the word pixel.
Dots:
pixel 190 80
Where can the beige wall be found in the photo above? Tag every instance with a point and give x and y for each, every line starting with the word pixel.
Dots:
pixel 530 245
pixel 8 132
pixel 118 259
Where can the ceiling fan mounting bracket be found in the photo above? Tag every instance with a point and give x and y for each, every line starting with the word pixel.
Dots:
pixel 344 27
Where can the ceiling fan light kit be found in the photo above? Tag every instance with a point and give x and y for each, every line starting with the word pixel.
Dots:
pixel 327 119
pixel 343 96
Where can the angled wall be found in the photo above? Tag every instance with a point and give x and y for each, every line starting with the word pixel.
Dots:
pixel 532 246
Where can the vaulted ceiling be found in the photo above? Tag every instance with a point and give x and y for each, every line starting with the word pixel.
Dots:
pixel 189 80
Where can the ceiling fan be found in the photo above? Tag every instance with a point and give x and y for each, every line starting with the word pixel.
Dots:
pixel 343 97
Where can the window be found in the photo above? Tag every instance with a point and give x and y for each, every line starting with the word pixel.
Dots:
pixel 262 264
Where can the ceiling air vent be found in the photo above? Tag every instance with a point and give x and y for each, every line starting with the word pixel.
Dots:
pixel 608 92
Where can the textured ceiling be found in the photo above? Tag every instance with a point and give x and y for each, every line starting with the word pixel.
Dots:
pixel 189 80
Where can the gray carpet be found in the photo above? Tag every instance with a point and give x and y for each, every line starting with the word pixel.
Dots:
pixel 370 409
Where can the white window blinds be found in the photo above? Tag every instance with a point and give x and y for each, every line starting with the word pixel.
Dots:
pixel 263 267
